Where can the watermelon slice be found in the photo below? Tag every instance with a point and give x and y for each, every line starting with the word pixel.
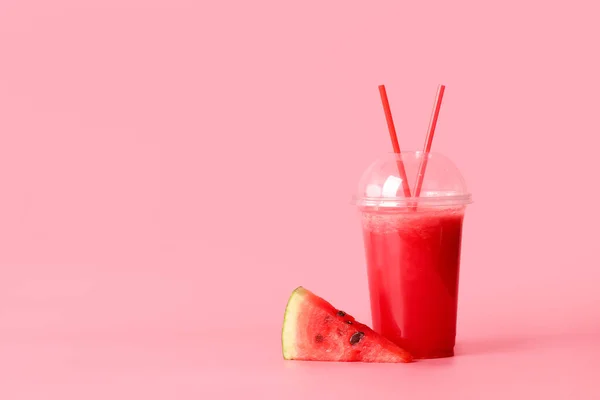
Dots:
pixel 314 330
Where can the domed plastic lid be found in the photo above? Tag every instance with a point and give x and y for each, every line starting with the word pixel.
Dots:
pixel 382 184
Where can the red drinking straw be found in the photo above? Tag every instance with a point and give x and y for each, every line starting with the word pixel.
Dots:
pixel 429 139
pixel 395 144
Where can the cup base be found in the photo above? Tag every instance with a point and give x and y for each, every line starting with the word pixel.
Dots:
pixel 434 354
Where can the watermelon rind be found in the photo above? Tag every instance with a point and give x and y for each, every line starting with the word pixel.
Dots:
pixel 290 323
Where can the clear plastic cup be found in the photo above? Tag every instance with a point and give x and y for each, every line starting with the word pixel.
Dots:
pixel 412 248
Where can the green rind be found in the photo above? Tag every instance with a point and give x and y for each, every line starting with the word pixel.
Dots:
pixel 290 323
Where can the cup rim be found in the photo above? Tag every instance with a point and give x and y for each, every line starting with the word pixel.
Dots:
pixel 409 202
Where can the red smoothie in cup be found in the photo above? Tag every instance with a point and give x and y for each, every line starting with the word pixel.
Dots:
pixel 413 261
pixel 412 248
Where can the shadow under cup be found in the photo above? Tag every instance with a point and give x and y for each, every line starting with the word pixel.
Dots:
pixel 412 248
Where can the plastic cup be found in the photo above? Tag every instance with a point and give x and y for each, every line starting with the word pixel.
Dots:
pixel 412 248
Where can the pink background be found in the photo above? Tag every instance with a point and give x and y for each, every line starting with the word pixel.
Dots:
pixel 171 170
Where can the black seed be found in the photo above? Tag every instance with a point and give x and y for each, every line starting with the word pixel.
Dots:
pixel 356 338
pixel 319 338
pixel 341 313
pixel 349 322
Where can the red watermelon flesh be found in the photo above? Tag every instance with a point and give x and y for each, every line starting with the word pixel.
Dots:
pixel 315 330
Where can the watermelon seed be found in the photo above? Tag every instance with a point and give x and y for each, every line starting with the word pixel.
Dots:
pixel 349 322
pixel 356 337
pixel 319 338
pixel 341 313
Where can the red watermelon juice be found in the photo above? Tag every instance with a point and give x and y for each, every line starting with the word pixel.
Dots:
pixel 413 258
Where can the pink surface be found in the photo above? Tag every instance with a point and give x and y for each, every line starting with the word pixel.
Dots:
pixel 171 170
